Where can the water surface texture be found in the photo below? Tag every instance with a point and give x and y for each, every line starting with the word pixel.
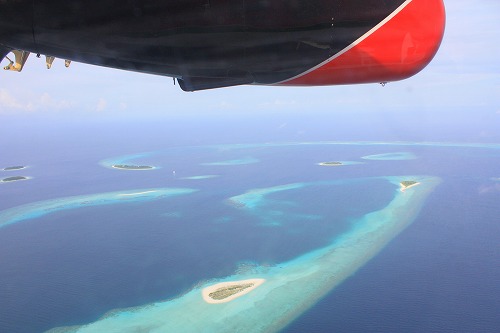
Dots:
pixel 341 248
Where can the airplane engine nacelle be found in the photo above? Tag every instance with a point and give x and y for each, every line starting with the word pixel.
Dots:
pixel 215 43
pixel 397 48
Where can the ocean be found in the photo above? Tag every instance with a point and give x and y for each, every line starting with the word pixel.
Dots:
pixel 341 247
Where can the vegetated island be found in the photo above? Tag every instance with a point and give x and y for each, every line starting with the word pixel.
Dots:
pixel 227 291
pixel 407 184
pixel 13 179
pixel 333 163
pixel 132 167
pixel 15 167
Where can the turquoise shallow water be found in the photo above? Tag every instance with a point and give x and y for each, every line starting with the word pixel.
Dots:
pixel 41 208
pixel 290 287
pixel 241 161
pixel 391 156
pixel 131 251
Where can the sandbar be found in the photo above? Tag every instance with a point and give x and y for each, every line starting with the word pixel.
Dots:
pixel 227 291
pixel 338 163
pixel 137 193
pixel 333 163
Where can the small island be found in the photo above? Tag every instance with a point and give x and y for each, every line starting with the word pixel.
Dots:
pixel 228 291
pixel 15 167
pixel 333 163
pixel 405 184
pixel 13 179
pixel 132 167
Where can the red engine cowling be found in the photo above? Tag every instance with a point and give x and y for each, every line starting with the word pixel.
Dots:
pixel 398 47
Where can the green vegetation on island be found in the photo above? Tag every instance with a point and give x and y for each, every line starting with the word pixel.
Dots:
pixel 132 167
pixel 333 163
pixel 13 179
pixel 227 291
pixel 408 183
pixel 15 167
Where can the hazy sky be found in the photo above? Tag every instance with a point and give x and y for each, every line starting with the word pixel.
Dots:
pixel 458 93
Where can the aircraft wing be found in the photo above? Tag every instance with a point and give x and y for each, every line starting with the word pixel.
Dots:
pixel 214 43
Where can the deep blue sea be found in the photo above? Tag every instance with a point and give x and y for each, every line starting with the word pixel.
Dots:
pixel 71 266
